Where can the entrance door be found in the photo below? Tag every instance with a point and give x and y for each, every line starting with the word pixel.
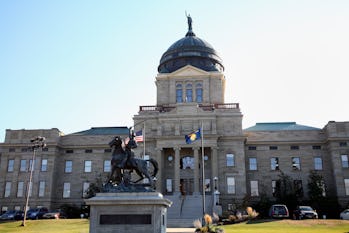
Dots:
pixel 187 186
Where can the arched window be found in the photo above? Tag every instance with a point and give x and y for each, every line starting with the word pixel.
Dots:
pixel 189 92
pixel 179 93
pixel 199 93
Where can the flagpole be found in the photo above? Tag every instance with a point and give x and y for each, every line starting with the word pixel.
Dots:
pixel 203 171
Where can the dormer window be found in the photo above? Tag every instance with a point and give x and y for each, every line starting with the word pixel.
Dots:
pixel 179 93
pixel 199 93
pixel 189 93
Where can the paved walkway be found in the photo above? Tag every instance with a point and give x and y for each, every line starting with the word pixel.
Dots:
pixel 180 230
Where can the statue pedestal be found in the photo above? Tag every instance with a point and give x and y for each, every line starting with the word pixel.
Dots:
pixel 128 212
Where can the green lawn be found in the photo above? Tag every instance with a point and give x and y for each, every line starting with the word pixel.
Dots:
pixel 284 226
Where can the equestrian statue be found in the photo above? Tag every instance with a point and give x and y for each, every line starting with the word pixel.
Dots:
pixel 123 163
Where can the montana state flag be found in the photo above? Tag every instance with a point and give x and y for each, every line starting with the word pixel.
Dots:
pixel 192 137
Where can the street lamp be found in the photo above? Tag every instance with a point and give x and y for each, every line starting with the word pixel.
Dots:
pixel 38 142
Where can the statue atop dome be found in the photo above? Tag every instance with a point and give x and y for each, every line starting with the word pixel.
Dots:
pixel 190 21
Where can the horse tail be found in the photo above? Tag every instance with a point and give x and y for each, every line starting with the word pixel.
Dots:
pixel 155 165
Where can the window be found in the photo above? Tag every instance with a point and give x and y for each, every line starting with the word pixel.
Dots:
pixel 85 188
pixel 253 164
pixel 69 151
pixel 107 166
pixel 252 148
pixel 345 162
pixel 10 165
pixel 23 166
pixel 274 163
pixel 273 187
pixel 189 93
pixel 68 166
pixel 42 185
pixel 20 189
pixel 44 165
pixel 294 147
pixel 346 185
pixel 231 185
pixel 254 188
pixel 318 163
pixel 199 93
pixel 230 160
pixel 316 147
pixel 66 190
pixel 207 185
pixel 88 151
pixel 187 162
pixel 107 150
pixel 273 147
pixel 7 189
pixel 31 165
pixel 88 166
pixel 169 185
pixel 296 163
pixel 342 144
pixel 179 93
pixel 12 150
pixel 30 185
pixel 298 188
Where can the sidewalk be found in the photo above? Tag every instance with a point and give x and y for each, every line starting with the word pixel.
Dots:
pixel 180 230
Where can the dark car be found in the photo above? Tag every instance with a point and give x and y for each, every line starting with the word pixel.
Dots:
pixel 278 211
pixel 304 212
pixel 54 214
pixel 36 213
pixel 11 215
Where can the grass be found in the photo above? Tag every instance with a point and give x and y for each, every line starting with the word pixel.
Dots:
pixel 257 226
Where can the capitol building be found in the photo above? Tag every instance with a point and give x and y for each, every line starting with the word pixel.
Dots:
pixel 229 165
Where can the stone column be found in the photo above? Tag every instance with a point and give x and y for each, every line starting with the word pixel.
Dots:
pixel 214 164
pixel 159 181
pixel 177 158
pixel 196 171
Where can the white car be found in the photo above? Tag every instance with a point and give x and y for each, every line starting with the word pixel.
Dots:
pixel 344 214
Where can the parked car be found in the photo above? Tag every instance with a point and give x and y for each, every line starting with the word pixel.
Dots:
pixel 36 213
pixel 279 211
pixel 54 214
pixel 304 212
pixel 344 214
pixel 11 215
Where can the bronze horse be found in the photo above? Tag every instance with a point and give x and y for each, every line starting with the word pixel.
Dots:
pixel 139 165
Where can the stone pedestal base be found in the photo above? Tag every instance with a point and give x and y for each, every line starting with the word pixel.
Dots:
pixel 128 212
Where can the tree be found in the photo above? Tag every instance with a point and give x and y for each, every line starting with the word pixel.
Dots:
pixel 316 187
pixel 284 190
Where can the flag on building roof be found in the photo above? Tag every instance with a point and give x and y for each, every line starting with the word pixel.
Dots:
pixel 192 137
pixel 139 136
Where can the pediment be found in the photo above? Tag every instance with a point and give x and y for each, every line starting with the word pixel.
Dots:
pixel 189 70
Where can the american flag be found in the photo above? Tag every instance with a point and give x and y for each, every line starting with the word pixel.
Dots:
pixel 139 136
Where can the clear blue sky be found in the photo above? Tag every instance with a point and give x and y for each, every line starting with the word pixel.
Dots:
pixel 73 65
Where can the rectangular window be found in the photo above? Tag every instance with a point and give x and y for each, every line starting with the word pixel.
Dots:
pixel 20 189
pixel 85 187
pixel 316 147
pixel 88 166
pixel 31 164
pixel 342 144
pixel 207 185
pixel 23 166
pixel 169 185
pixel 30 185
pixel 44 165
pixel 273 147
pixel 252 148
pixel 318 163
pixel 274 163
pixel 254 188
pixel 346 185
pixel 294 147
pixel 68 166
pixel 42 185
pixel 88 151
pixel 253 164
pixel 231 185
pixel 345 162
pixel 66 190
pixel 69 151
pixel 230 160
pixel 10 165
pixel 296 163
pixel 107 166
pixel 7 189
pixel 273 187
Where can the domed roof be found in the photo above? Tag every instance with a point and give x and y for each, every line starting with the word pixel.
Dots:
pixel 190 50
